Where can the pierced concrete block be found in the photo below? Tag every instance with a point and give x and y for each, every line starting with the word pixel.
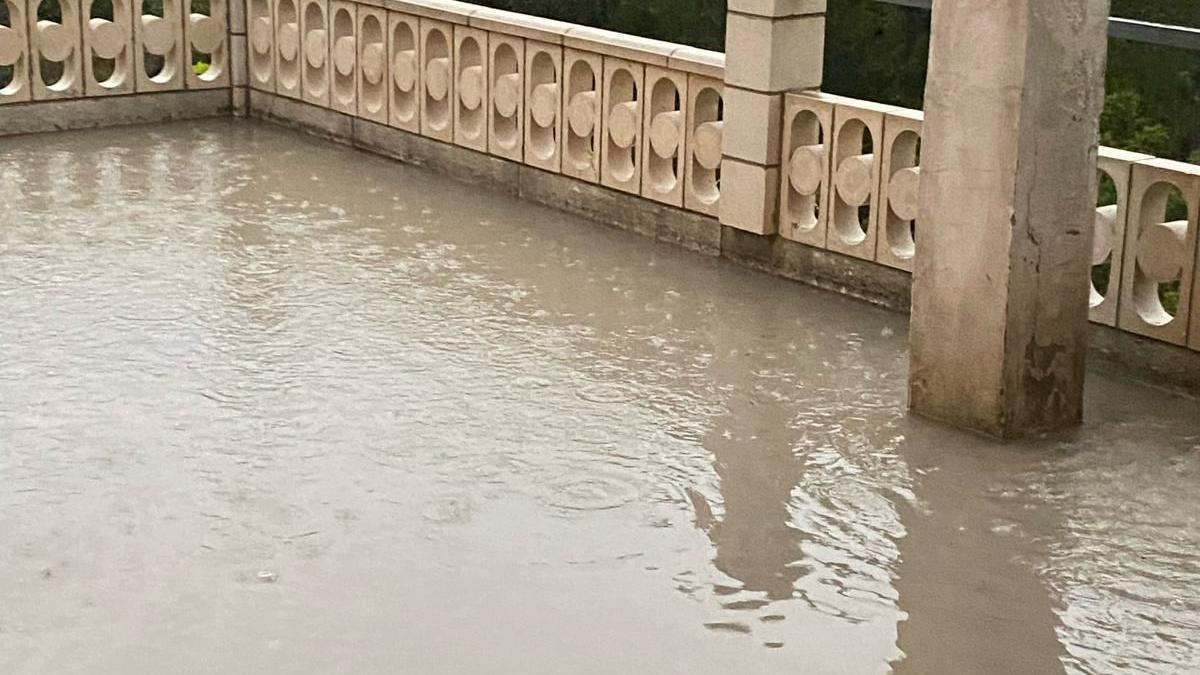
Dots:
pixel 470 87
pixel 664 135
pixel 805 187
pixel 158 47
pixel 774 55
pixel 755 123
pixel 506 108
pixel 582 99
pixel 14 53
pixel 749 196
pixel 706 128
pixel 404 85
pixel 1160 250
pixel 343 57
pixel 1108 242
pixel 289 52
pixel 899 181
pixel 108 49
pixel 57 43
pixel 437 68
pixel 372 64
pixel 261 57
pixel 854 179
pixel 207 40
pixel 543 109
pixel 314 74
pixel 620 150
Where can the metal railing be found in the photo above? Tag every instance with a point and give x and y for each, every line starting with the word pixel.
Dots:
pixel 1180 37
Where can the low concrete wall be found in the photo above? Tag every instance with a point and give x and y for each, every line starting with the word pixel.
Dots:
pixel 107 111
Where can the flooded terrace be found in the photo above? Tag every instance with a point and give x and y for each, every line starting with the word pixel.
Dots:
pixel 273 405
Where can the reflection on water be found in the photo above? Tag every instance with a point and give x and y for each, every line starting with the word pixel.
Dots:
pixel 270 405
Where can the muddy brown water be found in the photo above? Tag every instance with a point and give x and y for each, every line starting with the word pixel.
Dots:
pixel 271 405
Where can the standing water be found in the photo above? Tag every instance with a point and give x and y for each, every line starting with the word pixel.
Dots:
pixel 270 405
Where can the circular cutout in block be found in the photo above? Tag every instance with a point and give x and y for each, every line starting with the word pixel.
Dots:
pixel 315 48
pixel 470 87
pixel 54 41
pixel 206 33
pixel 806 169
pixel 289 41
pixel 437 78
pixel 666 133
pixel 260 35
pixel 854 179
pixel 904 193
pixel 544 104
pixel 10 48
pixel 343 54
pixel 507 96
pixel 404 70
pixel 372 62
pixel 623 122
pixel 581 113
pixel 707 140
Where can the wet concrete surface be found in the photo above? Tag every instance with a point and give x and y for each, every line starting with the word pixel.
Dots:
pixel 271 405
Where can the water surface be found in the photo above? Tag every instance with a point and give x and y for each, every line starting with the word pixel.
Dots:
pixel 270 405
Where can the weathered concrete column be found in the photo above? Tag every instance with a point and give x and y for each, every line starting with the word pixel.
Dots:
pixel 771 47
pixel 1000 292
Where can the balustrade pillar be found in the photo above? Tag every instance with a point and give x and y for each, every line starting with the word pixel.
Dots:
pixel 1007 197
pixel 772 47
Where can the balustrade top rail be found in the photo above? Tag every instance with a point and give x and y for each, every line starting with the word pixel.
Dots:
pixel 1180 37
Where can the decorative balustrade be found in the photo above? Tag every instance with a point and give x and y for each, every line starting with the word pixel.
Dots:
pixel 65 49
pixel 638 116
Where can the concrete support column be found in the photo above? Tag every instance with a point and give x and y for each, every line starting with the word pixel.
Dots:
pixel 1008 183
pixel 771 47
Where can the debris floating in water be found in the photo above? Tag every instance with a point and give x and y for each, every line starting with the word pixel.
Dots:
pixel 267 577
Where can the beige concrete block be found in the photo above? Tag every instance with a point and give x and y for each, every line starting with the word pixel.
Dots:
pixel 208 35
pixel 447 11
pixel 260 57
pixel 1159 251
pixel 404 60
pixel 1108 242
pixel 699 62
pixel 583 96
pixel 854 178
pixel 289 49
pixel 506 96
pixel 621 124
pixel 777 8
pixel 57 43
pixel 520 25
pixel 620 45
pixel 373 72
pixel 162 36
pixel 805 172
pixel 14 52
pixel 899 183
pixel 543 105
pixel 754 123
pixel 774 55
pixel 437 80
pixel 471 87
pixel 664 135
pixel 703 156
pixel 343 56
pixel 749 196
pixel 111 42
pixel 314 52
